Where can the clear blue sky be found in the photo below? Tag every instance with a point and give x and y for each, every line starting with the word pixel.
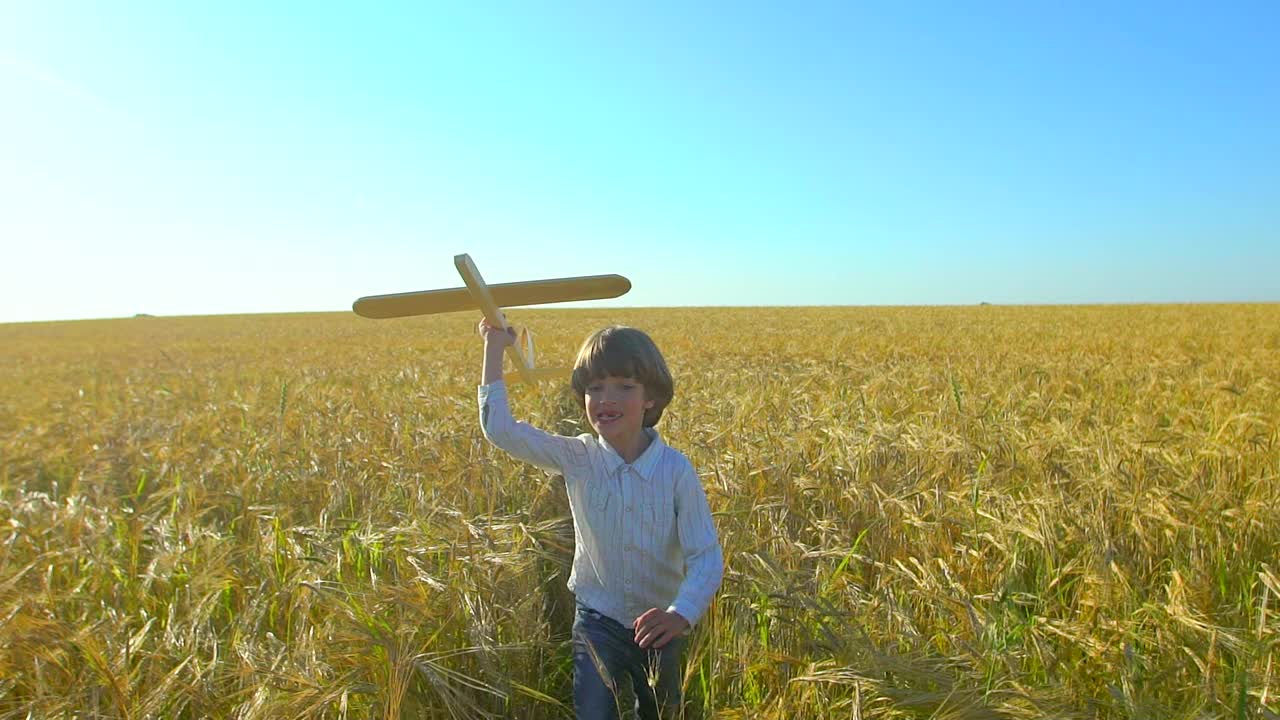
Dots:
pixel 182 158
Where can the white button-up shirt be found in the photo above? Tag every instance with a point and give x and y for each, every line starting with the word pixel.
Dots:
pixel 643 534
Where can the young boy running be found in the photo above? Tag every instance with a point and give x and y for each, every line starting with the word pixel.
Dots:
pixel 646 559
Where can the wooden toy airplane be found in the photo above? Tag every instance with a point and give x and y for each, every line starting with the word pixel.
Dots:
pixel 490 299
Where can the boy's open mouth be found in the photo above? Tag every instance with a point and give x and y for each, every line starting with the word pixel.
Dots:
pixel 606 418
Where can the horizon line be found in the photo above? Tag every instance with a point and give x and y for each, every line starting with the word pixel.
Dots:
pixel 147 316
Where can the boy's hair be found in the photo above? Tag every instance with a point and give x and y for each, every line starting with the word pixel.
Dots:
pixel 624 352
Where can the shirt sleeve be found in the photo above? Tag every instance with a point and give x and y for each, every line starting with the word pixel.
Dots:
pixel 704 562
pixel 550 452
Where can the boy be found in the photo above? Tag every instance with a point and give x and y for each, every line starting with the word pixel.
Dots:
pixel 646 559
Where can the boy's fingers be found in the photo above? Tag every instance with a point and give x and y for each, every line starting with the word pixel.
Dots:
pixel 643 635
pixel 656 634
pixel 658 639
pixel 644 617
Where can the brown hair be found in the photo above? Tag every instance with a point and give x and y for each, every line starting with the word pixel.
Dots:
pixel 624 352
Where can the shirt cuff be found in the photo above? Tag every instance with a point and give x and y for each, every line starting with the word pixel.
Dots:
pixel 685 612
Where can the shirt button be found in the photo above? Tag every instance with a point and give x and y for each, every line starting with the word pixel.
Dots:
pixel 629 547
pixel 628 508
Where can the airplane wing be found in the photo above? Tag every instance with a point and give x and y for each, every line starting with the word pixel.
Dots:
pixel 532 292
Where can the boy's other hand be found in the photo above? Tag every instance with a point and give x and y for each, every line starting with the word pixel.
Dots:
pixel 494 334
pixel 659 627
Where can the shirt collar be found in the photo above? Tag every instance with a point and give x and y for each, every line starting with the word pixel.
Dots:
pixel 646 464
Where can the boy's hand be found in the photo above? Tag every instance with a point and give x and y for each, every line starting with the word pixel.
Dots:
pixel 494 334
pixel 659 627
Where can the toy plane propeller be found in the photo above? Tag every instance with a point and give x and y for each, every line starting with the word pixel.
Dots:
pixel 490 299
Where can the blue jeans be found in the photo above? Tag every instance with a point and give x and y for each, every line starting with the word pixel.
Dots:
pixel 605 655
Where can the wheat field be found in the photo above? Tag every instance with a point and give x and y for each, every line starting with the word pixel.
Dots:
pixel 965 512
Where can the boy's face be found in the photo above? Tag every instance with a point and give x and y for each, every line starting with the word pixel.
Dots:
pixel 615 407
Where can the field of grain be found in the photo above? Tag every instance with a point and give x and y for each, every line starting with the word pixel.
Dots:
pixel 979 512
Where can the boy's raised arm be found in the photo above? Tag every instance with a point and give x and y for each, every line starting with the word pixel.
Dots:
pixel 521 440
pixel 495 343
